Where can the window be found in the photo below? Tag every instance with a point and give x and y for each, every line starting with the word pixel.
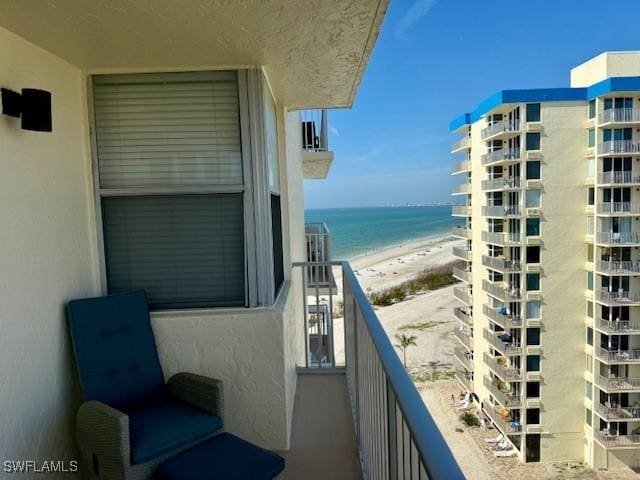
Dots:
pixel 591 196
pixel 590 281
pixel 533 112
pixel 533 282
pixel 587 417
pixel 588 390
pixel 533 336
pixel 590 336
pixel 533 254
pixel 533 141
pixel 590 309
pixel 533 170
pixel 533 309
pixel 533 363
pixel 533 416
pixel 532 198
pixel 276 232
pixel 589 361
pixel 533 227
pixel 592 109
pixel 533 389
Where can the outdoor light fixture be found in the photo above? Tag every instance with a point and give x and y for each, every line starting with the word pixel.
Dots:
pixel 33 106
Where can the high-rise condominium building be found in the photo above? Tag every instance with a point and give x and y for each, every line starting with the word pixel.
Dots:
pixel 550 317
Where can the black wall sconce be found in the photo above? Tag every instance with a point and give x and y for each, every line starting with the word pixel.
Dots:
pixel 33 106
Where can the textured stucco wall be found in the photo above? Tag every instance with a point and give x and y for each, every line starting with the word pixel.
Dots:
pixel 607 64
pixel 46 256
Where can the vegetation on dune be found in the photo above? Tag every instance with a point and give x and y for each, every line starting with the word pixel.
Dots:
pixel 469 419
pixel 424 377
pixel 421 327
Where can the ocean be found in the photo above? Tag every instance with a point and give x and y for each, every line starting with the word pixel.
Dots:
pixel 356 231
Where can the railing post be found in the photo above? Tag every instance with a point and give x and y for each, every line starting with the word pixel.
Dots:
pixel 392 441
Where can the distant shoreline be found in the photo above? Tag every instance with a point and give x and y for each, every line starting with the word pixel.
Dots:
pixel 416 242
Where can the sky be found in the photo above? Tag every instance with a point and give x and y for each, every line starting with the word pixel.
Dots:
pixel 437 59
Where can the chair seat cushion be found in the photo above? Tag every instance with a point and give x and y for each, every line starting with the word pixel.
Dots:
pixel 165 425
pixel 222 457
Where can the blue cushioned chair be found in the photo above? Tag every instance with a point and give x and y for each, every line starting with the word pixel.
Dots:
pixel 131 420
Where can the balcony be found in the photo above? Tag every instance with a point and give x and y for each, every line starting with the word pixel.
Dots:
pixel 501 211
pixel 508 374
pixel 502 319
pixel 619 147
pixel 461 167
pixel 464 357
pixel 500 156
pixel 388 414
pixel 318 243
pixel 463 294
pixel 506 398
pixel 462 189
pixel 501 238
pixel 618 356
pixel 316 156
pixel 619 178
pixel 461 210
pixel 618 298
pixel 618 327
pixel 463 275
pixel 462 253
pixel 618 238
pixel 619 115
pixel 501 341
pixel 502 183
pixel 501 264
pixel 618 441
pixel 462 232
pixel 618 384
pixel 465 381
pixel 618 209
pixel 464 337
pixel 501 291
pixel 503 423
pixel 463 315
pixel 617 412
pixel 503 127
pixel 461 144
pixel 610 267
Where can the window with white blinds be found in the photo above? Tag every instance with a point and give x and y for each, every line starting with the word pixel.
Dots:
pixel 170 179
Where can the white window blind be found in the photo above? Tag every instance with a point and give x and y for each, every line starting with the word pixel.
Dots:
pixel 168 130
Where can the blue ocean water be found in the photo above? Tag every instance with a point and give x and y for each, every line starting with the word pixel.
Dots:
pixel 355 231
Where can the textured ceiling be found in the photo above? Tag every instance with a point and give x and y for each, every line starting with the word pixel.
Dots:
pixel 314 51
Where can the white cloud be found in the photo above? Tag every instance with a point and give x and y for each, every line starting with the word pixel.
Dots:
pixel 416 12
pixel 334 130
pixel 372 153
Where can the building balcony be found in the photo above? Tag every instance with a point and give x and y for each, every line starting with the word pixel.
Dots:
pixel 619 147
pixel 503 155
pixel 502 319
pixel 461 210
pixel 462 232
pixel 462 253
pixel 504 423
pixel 618 238
pixel 610 267
pixel 464 357
pixel 463 294
pixel 462 189
pixel 461 167
pixel 463 275
pixel 464 379
pixel 618 178
pixel 618 209
pixel 461 144
pixel 617 298
pixel 463 315
pixel 617 412
pixel 508 374
pixel 500 128
pixel 501 211
pixel 618 384
pixel 618 441
pixel 502 183
pixel 618 356
pixel 618 327
pixel 316 156
pixel 619 115
pixel 464 337
pixel 501 264
pixel 318 243
pixel 501 341
pixel 503 239
pixel 506 398
pixel 501 291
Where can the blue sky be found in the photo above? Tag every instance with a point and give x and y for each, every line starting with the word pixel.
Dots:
pixel 436 59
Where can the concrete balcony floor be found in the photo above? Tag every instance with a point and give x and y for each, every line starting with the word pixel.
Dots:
pixel 323 439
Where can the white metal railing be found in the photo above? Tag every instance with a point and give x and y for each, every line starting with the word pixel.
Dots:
pixel 502 319
pixel 613 384
pixel 506 424
pixel 620 326
pixel 318 244
pixel 460 252
pixel 464 336
pixel 615 411
pixel 462 189
pixel 625 267
pixel 463 166
pixel 614 440
pixel 618 146
pixel 315 130
pixel 619 178
pixel 463 315
pixel 461 210
pixel 510 347
pixel 618 297
pixel 501 238
pixel 502 183
pixel 396 435
pixel 507 373
pixel 501 291
pixel 501 211
pixel 618 238
pixel 618 208
pixel 500 127
pixel 462 232
pixel 463 378
pixel 501 155
pixel 463 294
pixel 506 398
pixel 464 357
pixel 501 264
pixel 620 356
pixel 464 275
pixel 619 115
pixel 464 142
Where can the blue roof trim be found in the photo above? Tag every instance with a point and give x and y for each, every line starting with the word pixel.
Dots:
pixel 613 84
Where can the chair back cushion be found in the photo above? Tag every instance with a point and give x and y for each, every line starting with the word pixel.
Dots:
pixel 115 349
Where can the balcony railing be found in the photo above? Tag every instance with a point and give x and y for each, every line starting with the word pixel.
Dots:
pixel 503 126
pixel 618 238
pixel 508 374
pixel 502 319
pixel 619 115
pixel 612 147
pixel 462 232
pixel 464 357
pixel 463 378
pixel 505 424
pixel 501 238
pixel 618 384
pixel 507 346
pixel 463 315
pixel 619 297
pixel 464 337
pixel 461 144
pixel 502 183
pixel 461 210
pixel 461 167
pixel 618 267
pixel 502 155
pixel 396 433
pixel 501 291
pixel 620 326
pixel 618 356
pixel 501 211
pixel 617 412
pixel 315 130
pixel 618 208
pixel 614 441
pixel 501 264
pixel 506 398
pixel 462 189
pixel 464 275
pixel 463 253
pixel 463 294
pixel 619 178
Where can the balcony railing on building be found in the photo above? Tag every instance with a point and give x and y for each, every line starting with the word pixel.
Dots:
pixel 618 441
pixel 502 183
pixel 618 356
pixel 616 267
pixel 464 357
pixel 614 147
pixel 501 291
pixel 461 144
pixel 463 253
pixel 462 232
pixel 618 384
pixel 318 243
pixel 501 317
pixel 464 275
pixel 462 189
pixel 397 437
pixel 617 412
pixel 501 211
pixel 501 264
pixel 464 337
pixel 461 167
pixel 618 298
pixel 501 155
pixel 618 238
pixel 315 130
pixel 465 379
pixel 502 341
pixel 501 238
pixel 502 126
pixel 618 326
pixel 463 294
pixel 618 208
pixel 503 419
pixel 461 210
pixel 498 365
pixel 619 115
pixel 463 315
pixel 506 397
pixel 619 178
